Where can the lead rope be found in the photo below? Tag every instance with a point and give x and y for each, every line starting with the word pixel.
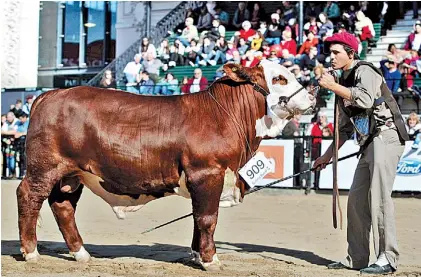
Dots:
pixel 335 192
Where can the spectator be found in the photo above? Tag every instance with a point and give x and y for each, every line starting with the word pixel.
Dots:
pixel 273 57
pixel 393 78
pixel 397 54
pixel 131 71
pixel 292 129
pixel 327 132
pixel 195 84
pixel 309 61
pixel 211 5
pixel 332 11
pixel 220 50
pixel 274 33
pixel 189 32
pixel 236 58
pixel 177 53
pixel 266 50
pixel 364 27
pixel 20 138
pixel 164 51
pixel 413 42
pixel 3 119
pixel 249 60
pixel 243 47
pixel 205 20
pixel 205 52
pixel 327 26
pixel 17 108
pixel 413 125
pixel 241 14
pixel 246 32
pixel 146 84
pixel 311 41
pixel 312 10
pixel 147 47
pixel 152 66
pixel 27 107
pixel 257 41
pixel 257 15
pixel 350 16
pixel 167 86
pixel 107 80
pixel 287 59
pixel 222 15
pixel 215 32
pixel 411 65
pixel 312 26
pixel 289 11
pixel 230 52
pixel 191 54
pixel 263 28
pixel 8 131
pixel 288 43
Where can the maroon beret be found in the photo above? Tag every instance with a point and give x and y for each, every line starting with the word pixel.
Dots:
pixel 343 38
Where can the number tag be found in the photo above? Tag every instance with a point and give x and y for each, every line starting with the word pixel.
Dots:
pixel 256 168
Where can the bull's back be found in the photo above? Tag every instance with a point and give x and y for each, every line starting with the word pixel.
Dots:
pixel 109 131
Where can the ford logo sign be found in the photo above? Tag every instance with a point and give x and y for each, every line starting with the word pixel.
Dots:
pixel 409 167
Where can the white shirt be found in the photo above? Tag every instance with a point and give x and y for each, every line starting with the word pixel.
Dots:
pixel 195 87
pixel 417 42
pixel 132 68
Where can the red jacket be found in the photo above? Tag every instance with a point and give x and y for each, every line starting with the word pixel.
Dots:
pixel 305 47
pixel 254 62
pixel 291 45
pixel 203 85
pixel 317 131
pixel 245 35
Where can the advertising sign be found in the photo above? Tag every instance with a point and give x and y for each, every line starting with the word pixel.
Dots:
pixel 408 171
pixel 281 154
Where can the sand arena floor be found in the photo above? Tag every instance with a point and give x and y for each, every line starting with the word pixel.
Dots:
pixel 273 233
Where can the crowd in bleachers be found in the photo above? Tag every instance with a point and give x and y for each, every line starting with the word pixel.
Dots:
pixel 210 37
pixel 14 127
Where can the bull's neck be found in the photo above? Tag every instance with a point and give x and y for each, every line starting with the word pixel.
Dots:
pixel 242 106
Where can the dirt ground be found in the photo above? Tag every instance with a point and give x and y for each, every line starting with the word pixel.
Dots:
pixel 273 233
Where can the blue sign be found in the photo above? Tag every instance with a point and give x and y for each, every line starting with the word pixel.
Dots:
pixel 409 167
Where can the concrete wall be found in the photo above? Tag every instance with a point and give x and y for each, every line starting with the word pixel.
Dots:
pixel 20 31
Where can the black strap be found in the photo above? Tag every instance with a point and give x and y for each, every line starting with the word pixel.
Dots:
pixel 387 97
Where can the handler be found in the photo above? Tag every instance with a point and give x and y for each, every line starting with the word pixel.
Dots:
pixel 367 111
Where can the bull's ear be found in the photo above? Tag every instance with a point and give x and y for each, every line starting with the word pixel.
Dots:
pixel 233 72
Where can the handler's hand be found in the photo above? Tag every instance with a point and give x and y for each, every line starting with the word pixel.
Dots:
pixel 321 162
pixel 327 81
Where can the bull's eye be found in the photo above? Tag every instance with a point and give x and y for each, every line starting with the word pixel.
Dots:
pixel 279 80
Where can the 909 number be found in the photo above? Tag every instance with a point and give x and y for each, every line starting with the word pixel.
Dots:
pixel 255 169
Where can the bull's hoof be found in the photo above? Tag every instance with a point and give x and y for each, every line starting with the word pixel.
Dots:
pixel 214 265
pixel 81 256
pixel 33 257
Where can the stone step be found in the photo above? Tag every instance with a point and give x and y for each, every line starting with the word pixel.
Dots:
pixel 378 51
pixel 403 28
pixel 374 58
pixel 392 40
pixel 398 32
pixel 385 45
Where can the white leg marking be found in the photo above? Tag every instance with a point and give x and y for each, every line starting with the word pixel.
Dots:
pixel 231 193
pixel 82 255
pixel 198 260
pixel 182 190
pixel 32 257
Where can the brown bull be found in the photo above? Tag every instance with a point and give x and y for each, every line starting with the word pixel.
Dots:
pixel 131 149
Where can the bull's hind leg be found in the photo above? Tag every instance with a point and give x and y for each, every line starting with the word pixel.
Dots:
pixel 63 205
pixel 205 190
pixel 30 196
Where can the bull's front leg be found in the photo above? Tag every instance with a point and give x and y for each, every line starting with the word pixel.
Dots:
pixel 205 190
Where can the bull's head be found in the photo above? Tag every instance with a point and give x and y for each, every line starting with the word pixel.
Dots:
pixel 286 94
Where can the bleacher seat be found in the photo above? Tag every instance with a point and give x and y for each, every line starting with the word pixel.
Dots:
pixel 181 71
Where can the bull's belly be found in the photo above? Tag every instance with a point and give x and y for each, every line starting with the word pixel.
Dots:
pixel 121 204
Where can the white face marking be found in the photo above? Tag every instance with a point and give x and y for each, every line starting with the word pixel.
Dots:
pixel 300 101
pixel 269 126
